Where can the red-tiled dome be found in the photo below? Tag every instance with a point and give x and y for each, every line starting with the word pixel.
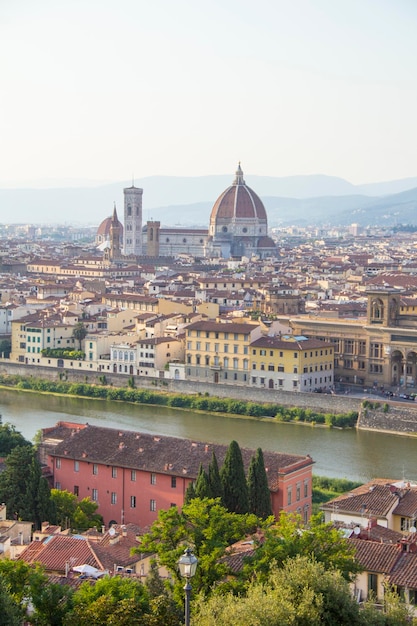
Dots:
pixel 104 228
pixel 238 201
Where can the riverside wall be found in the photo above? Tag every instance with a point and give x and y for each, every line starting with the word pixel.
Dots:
pixel 398 418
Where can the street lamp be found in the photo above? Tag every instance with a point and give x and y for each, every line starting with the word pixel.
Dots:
pixel 188 565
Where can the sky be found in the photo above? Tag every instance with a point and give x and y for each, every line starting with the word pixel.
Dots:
pixel 97 91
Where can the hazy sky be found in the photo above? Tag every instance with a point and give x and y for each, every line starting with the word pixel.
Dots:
pixel 105 89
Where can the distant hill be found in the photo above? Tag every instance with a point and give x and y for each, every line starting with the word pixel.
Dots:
pixel 187 201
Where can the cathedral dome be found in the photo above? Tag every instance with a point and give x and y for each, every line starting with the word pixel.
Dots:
pixel 103 231
pixel 238 202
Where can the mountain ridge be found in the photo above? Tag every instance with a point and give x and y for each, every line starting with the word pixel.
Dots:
pixel 180 199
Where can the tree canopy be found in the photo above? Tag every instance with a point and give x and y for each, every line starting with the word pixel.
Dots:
pixel 10 438
pixel 204 525
pixel 23 488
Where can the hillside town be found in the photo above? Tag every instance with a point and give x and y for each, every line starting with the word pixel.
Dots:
pixel 237 308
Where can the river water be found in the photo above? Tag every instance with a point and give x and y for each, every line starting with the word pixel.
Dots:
pixel 350 454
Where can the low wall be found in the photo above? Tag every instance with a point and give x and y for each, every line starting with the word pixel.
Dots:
pixel 399 418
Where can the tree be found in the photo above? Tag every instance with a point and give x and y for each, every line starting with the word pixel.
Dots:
pixel 258 489
pixel 214 478
pixel 290 537
pixel 232 473
pixel 189 493
pixel 5 348
pixel 11 612
pixel 85 515
pixel 111 601
pixel 23 488
pixel 65 505
pixel 301 593
pixel 202 486
pixel 204 525
pixel 73 514
pixel 10 438
pixel 79 332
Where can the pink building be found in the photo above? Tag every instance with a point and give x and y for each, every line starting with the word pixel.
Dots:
pixel 133 475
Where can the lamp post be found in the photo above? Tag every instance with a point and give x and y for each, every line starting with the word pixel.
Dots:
pixel 188 565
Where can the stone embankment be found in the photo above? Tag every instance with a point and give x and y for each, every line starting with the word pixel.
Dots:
pixel 390 417
pixel 397 418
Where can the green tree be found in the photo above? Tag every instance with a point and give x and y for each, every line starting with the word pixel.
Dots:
pixel 11 613
pixel 111 601
pixel 23 488
pixel 290 537
pixel 214 478
pixel 10 438
pixel 51 602
pixel 5 348
pixel 235 488
pixel 202 486
pixel 86 515
pixel 189 493
pixel 258 490
pixel 79 332
pixel 65 506
pixel 204 525
pixel 301 593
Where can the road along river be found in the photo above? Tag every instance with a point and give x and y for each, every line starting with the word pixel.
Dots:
pixel 351 454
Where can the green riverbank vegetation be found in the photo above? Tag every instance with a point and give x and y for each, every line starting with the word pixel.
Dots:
pixel 195 402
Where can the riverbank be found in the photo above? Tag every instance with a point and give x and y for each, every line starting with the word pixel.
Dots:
pixel 350 453
pixel 398 418
pixel 194 402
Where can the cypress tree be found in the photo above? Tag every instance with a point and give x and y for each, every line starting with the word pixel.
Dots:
pixel 202 486
pixel 235 488
pixel 189 493
pixel 214 478
pixel 258 490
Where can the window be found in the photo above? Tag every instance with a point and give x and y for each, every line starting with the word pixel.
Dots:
pixel 375 350
pixel 76 466
pixel 133 502
pixel 95 468
pixel 280 368
pixel 113 497
pixel 173 482
pixel 133 475
pixel 306 488
pixel 295 355
pixel 114 472
pixel 406 523
pixel 153 479
pixel 58 463
pixel 373 584
pixel 152 505
pixel 235 364
pixel 57 485
pixel 76 490
pixel 94 495
pixel 235 349
pixel 298 492
pixel 289 495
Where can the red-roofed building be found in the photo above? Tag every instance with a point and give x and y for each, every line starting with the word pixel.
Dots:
pixel 133 475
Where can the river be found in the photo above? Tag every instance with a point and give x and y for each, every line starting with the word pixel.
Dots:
pixel 351 454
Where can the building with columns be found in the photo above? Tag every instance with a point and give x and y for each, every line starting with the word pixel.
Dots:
pixel 378 351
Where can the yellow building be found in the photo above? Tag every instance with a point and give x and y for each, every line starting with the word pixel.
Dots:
pixel 219 351
pixel 291 363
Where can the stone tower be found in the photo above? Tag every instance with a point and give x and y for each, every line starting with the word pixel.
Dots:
pixel 115 229
pixel 132 240
pixel 152 238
